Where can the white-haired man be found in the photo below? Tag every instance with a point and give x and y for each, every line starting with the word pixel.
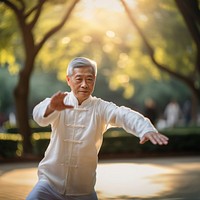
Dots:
pixel 78 121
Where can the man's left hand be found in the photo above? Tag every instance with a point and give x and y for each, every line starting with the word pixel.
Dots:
pixel 155 138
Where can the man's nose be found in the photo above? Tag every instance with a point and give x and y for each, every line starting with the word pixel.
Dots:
pixel 84 84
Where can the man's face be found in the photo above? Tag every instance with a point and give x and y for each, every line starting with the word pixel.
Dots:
pixel 82 83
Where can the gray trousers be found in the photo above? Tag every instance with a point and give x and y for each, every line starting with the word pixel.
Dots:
pixel 43 191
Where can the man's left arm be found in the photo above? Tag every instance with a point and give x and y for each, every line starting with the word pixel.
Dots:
pixel 132 122
pixel 135 122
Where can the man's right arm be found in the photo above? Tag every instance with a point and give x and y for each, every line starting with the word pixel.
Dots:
pixel 40 114
pixel 46 111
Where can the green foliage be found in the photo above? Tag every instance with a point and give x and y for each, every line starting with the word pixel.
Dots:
pixel 10 41
pixel 40 141
pixel 8 148
pixel 167 32
pixel 10 145
pixel 191 130
pixel 126 75
pixel 181 141
pixel 7 83
pixel 161 92
pixel 45 85
pixel 8 27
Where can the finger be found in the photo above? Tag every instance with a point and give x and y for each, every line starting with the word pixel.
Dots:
pixel 165 137
pixel 57 102
pixel 56 94
pixel 59 94
pixel 153 139
pixel 160 139
pixel 143 140
pixel 68 106
pixel 164 140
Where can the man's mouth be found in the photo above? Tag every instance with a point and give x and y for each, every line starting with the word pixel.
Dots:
pixel 83 91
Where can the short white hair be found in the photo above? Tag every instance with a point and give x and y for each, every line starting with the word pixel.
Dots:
pixel 81 62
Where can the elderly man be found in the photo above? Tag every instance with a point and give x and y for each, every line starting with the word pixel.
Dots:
pixel 78 121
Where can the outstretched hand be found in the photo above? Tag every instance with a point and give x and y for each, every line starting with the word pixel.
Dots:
pixel 57 102
pixel 155 138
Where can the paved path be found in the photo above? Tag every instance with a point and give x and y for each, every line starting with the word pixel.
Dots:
pixel 157 178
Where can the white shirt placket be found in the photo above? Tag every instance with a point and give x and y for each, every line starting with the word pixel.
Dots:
pixel 72 144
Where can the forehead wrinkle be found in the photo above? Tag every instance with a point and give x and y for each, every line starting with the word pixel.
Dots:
pixel 83 74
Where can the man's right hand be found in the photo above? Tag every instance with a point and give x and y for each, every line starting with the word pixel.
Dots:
pixel 57 103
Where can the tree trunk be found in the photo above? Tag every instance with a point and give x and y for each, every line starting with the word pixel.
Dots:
pixel 195 100
pixel 21 94
pixel 27 19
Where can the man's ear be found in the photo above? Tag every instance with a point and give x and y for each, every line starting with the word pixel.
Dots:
pixel 68 80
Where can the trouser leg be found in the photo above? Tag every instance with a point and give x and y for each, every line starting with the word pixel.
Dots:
pixel 92 196
pixel 43 191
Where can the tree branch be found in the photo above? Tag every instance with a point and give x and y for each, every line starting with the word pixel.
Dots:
pixel 193 7
pixel 57 27
pixel 11 6
pixel 22 5
pixel 190 20
pixel 151 50
pixel 33 9
pixel 190 12
pixel 38 9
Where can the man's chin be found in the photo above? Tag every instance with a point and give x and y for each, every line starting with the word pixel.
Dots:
pixel 83 96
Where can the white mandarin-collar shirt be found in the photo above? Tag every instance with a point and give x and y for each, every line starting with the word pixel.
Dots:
pixel 70 161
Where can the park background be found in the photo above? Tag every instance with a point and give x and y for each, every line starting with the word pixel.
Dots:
pixel 148 54
pixel 146 51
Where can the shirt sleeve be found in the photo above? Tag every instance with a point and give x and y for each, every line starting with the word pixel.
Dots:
pixel 39 111
pixel 131 121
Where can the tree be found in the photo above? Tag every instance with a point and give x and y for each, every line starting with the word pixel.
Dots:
pixel 190 12
pixel 28 15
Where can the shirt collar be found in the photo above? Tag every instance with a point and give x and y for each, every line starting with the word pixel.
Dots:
pixel 75 100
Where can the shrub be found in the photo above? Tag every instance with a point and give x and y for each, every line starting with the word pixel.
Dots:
pixel 10 145
pixel 116 141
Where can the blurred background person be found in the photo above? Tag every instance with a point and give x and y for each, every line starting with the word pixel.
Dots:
pixel 187 112
pixel 150 110
pixel 172 113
